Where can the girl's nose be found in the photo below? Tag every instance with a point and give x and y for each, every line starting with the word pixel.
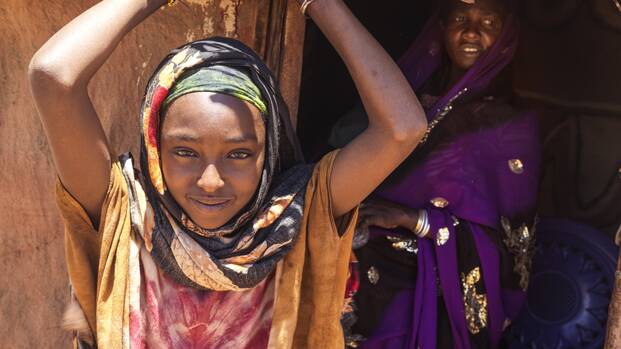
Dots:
pixel 210 180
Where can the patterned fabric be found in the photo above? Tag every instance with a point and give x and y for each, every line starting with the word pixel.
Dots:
pixel 173 316
pixel 475 302
pixel 220 79
pixel 521 244
pixel 243 252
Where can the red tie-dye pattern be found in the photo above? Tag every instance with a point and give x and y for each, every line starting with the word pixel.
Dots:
pixel 174 316
pixel 159 95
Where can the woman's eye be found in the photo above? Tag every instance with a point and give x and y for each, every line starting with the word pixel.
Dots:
pixel 239 155
pixel 460 19
pixel 489 22
pixel 184 153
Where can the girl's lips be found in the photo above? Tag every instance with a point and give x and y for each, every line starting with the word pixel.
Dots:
pixel 211 204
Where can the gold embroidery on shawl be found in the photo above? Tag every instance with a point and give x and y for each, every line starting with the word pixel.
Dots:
pixel 516 166
pixel 373 275
pixel 475 304
pixel 521 244
pixel 443 236
pixel 439 202
pixel 401 244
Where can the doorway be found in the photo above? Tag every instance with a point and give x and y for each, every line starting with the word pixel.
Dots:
pixel 327 91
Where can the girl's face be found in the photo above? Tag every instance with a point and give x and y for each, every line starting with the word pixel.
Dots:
pixel 212 151
pixel 470 30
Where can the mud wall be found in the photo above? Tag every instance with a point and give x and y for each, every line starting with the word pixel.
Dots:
pixel 33 279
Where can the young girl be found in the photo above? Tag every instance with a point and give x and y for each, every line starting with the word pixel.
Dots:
pixel 223 239
pixel 450 239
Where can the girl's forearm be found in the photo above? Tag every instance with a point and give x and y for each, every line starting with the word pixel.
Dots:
pixel 388 98
pixel 75 53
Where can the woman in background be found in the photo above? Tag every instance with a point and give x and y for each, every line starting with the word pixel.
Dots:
pixel 443 246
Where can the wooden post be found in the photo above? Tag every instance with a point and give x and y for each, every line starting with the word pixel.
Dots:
pixel 283 48
pixel 613 335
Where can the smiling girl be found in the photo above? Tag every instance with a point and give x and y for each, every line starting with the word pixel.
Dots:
pixel 224 239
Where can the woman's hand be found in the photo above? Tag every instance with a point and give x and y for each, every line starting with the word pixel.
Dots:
pixel 387 215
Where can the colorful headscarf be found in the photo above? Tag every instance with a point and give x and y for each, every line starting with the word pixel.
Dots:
pixel 245 250
pixel 220 79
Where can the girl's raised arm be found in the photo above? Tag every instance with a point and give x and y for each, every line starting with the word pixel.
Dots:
pixel 396 119
pixel 59 75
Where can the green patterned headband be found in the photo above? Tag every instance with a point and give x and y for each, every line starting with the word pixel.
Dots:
pixel 218 79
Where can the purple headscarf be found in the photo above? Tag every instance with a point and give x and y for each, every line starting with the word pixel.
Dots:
pixel 477 175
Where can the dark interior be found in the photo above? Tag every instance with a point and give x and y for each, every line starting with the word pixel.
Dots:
pixel 327 91
pixel 566 69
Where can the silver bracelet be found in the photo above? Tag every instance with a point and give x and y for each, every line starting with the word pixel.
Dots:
pixel 422 224
pixel 305 5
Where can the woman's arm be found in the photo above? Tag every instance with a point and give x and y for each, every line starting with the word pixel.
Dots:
pixel 59 75
pixel 396 118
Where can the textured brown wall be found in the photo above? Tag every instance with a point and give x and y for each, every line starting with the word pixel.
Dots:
pixel 33 281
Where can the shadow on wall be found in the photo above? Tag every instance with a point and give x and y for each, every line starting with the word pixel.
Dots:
pixel 568 68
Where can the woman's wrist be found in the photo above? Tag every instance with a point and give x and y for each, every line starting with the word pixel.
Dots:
pixel 417 221
pixel 409 218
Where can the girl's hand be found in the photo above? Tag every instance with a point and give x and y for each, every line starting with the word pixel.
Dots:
pixel 387 214
pixel 301 2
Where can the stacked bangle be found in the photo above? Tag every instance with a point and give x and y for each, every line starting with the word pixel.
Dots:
pixel 305 5
pixel 422 224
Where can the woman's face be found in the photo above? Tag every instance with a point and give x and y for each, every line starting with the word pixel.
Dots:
pixel 212 151
pixel 470 30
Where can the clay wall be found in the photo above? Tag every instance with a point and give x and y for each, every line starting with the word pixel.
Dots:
pixel 33 279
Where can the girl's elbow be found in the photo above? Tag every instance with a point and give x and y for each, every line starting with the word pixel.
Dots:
pixel 410 132
pixel 47 76
pixel 419 128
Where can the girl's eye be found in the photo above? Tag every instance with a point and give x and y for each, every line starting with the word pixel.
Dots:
pixel 239 155
pixel 185 153
pixel 460 19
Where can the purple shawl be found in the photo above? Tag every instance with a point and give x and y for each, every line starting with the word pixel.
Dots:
pixel 473 174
